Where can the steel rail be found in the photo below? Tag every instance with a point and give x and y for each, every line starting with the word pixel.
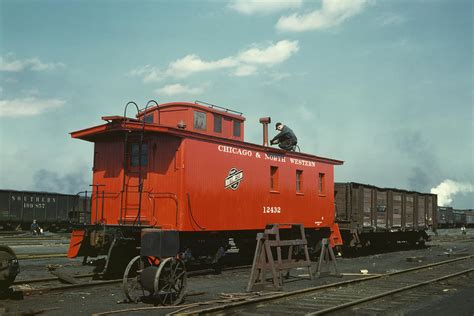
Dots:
pixel 68 287
pixel 194 273
pixel 270 297
pixel 41 256
pixel 38 280
pixel 388 293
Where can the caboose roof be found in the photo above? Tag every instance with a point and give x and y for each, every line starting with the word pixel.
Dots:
pixel 118 125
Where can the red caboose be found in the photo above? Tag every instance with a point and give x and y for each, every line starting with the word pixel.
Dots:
pixel 185 167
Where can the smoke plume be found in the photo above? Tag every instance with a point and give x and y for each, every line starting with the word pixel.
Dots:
pixel 446 189
pixel 51 181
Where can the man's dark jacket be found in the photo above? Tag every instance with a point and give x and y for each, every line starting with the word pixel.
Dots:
pixel 286 138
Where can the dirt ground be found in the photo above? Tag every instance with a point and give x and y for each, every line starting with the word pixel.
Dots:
pixel 456 299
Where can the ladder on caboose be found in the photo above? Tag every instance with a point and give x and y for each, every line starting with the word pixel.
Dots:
pixel 124 199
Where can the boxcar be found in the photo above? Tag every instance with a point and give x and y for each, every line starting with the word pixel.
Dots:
pixel 459 218
pixel 51 210
pixel 445 217
pixel 470 218
pixel 369 215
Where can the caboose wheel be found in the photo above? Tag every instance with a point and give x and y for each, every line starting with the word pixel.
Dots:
pixel 170 281
pixel 131 280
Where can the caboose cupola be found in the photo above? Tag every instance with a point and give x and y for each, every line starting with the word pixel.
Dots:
pixel 207 119
pixel 199 117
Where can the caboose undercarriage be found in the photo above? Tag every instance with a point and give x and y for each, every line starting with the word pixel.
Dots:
pixel 111 247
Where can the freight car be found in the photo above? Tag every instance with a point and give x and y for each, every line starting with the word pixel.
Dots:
pixel 182 173
pixel 469 218
pixel 445 217
pixel 369 215
pixel 53 211
pixel 449 217
pixel 459 218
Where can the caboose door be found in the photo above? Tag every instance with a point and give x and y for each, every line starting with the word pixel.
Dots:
pixel 134 201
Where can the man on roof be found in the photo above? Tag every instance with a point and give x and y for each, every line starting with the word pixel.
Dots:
pixel 285 139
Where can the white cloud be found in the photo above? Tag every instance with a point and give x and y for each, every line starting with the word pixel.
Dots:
pixel 178 89
pixel 332 13
pixel 245 70
pixel 10 64
pixel 271 55
pixel 250 7
pixel 28 106
pixel 244 63
pixel 192 63
pixel 149 73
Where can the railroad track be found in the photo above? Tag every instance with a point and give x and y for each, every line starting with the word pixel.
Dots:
pixel 41 256
pixel 36 237
pixel 39 280
pixel 44 285
pixel 34 242
pixel 337 296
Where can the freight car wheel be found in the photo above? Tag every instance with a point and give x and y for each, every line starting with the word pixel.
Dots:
pixel 170 281
pixel 131 280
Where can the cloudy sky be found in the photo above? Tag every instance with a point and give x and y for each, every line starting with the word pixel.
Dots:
pixel 385 85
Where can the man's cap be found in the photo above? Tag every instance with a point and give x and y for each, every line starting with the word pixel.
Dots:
pixel 278 124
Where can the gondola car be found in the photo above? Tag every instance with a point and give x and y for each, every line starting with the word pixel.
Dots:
pixel 372 216
pixel 53 211
pixel 180 179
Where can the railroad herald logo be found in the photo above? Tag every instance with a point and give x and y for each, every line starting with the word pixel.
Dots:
pixel 233 179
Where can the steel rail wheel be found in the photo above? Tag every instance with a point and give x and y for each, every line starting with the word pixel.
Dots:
pixel 170 281
pixel 131 284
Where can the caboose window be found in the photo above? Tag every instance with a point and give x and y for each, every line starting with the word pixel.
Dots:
pixel 199 120
pixel 321 183
pixel 236 128
pixel 134 155
pixel 273 178
pixel 149 118
pixel 299 181
pixel 217 123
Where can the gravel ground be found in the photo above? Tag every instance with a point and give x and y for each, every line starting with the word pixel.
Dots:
pixel 456 299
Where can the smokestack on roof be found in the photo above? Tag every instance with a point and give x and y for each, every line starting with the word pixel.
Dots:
pixel 265 121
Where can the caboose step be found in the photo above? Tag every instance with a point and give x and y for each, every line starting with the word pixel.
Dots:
pixel 133 219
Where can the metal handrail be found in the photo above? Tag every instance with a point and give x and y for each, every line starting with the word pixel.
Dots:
pixel 90 196
pixel 216 106
pixel 126 106
pixel 157 107
pixel 173 196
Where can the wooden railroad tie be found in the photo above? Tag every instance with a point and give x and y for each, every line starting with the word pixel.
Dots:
pixel 269 244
